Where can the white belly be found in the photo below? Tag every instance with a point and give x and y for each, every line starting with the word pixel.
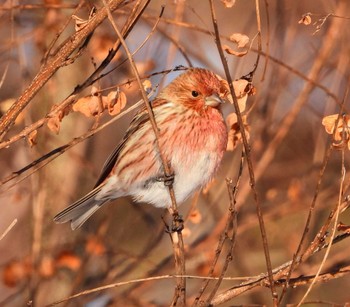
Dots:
pixel 186 181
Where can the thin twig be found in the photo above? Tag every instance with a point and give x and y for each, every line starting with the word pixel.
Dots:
pixel 53 154
pixel 140 280
pixel 340 200
pixel 336 219
pixel 60 31
pixel 296 257
pixel 177 239
pixel 134 16
pixel 231 226
pixel 48 70
pixel 267 57
pixel 175 34
pixel 299 281
pixel 194 27
pixel 154 27
pixel 7 230
pixel 232 194
pixel 258 21
pixel 26 131
pixel 246 152
pixel 37 7
pixel 286 123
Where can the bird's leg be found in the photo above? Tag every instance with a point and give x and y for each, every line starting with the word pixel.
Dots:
pixel 168 180
pixel 177 223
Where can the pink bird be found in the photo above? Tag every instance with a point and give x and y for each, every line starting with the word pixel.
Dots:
pixel 193 139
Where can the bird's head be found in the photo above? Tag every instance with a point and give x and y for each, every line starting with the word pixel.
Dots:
pixel 197 88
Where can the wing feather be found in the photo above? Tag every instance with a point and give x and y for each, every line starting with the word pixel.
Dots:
pixel 81 210
pixel 138 121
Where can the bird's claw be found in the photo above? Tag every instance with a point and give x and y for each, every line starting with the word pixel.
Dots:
pixel 177 224
pixel 167 179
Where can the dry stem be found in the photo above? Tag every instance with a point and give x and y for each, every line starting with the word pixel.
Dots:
pixel 53 64
pixel 246 152
pixel 177 240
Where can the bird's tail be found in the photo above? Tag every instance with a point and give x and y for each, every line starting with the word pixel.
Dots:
pixel 81 210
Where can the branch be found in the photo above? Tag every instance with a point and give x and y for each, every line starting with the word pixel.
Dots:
pixel 177 239
pixel 230 223
pixel 53 64
pixel 246 152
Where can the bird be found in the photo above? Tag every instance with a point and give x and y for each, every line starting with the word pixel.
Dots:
pixel 192 139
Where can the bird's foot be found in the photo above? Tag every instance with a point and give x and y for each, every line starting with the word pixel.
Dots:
pixel 168 180
pixel 177 224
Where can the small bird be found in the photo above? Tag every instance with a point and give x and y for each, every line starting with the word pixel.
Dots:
pixel 192 138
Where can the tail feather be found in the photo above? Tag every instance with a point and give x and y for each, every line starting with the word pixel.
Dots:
pixel 81 210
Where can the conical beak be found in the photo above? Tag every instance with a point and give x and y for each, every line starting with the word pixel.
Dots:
pixel 213 100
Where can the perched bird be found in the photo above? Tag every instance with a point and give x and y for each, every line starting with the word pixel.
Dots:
pixel 192 138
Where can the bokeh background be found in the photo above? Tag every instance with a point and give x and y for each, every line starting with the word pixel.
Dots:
pixel 302 76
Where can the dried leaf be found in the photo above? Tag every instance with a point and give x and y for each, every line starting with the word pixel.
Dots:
pixel 31 138
pixel 95 104
pixel 231 119
pixel 294 190
pixel 94 91
pixel 47 267
pixel 343 228
pixel 195 216
pixel 305 19
pixel 116 102
pixel 242 88
pixel 89 106
pixel 54 124
pixel 329 122
pixel 242 91
pixel 79 23
pixel 99 46
pixel 241 40
pixel 16 271
pixel 341 132
pixel 228 3
pixel 147 85
pixel 234 134
pixel 228 50
pixel 68 260
pixel 271 194
pixel 94 246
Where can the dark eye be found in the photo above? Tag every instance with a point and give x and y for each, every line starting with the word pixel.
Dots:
pixel 195 93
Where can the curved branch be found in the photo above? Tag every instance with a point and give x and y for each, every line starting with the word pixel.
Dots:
pixel 53 64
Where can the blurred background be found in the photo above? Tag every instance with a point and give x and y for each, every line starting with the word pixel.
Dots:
pixel 302 76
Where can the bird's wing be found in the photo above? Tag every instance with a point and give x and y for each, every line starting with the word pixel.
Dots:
pixel 138 121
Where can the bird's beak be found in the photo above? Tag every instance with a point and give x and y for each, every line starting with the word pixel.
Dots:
pixel 213 100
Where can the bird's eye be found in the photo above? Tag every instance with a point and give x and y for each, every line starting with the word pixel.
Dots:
pixel 195 93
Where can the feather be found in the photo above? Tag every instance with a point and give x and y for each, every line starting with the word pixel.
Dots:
pixel 140 119
pixel 81 210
